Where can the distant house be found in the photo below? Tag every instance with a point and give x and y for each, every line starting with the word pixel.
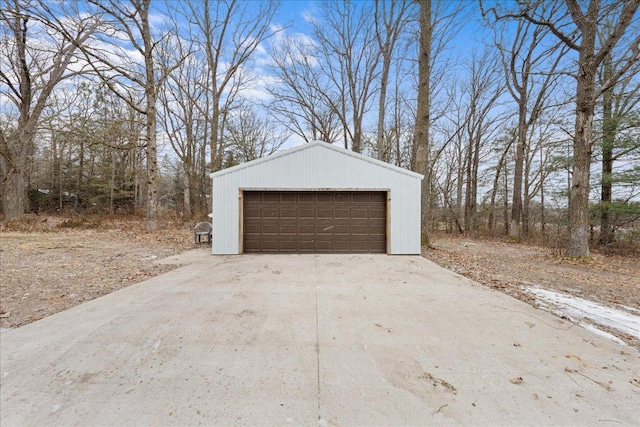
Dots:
pixel 316 198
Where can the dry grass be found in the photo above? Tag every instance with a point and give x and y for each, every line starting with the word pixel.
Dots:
pixel 53 263
pixel 609 279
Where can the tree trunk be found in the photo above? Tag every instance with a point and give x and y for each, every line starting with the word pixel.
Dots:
pixel 516 207
pixel 585 104
pixel 471 190
pixel 186 181
pixel 423 114
pixel 505 201
pixel 542 215
pixel 608 140
pixel 496 183
pixel 152 168
pixel 80 177
pixel 216 157
pixel 35 85
pixel 112 182
pixel 151 136
pixel 14 195
pixel 384 78
pixel 356 145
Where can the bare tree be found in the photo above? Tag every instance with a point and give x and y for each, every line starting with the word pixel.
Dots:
pixel 423 120
pixel 251 137
pixel 483 93
pixel 578 29
pixel 390 21
pixel 136 83
pixel 300 91
pixel 349 55
pixel 438 25
pixel 181 115
pixel 531 73
pixel 229 33
pixel 619 114
pixel 39 43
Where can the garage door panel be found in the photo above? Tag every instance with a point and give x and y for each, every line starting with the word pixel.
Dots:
pixel 325 197
pixel 307 197
pixel 252 228
pixel 314 222
pixel 361 198
pixel 270 197
pixel 362 246
pixel 323 212
pixel 359 213
pixel 271 228
pixel 270 212
pixel 360 229
pixel 252 196
pixel 288 197
pixel 342 213
pixel 306 229
pixel 324 245
pixel 252 212
pixel 325 229
pixel 306 212
pixel 342 229
pixel 375 213
pixel 378 197
pixel 344 247
pixel 251 245
pixel 306 244
pixel 288 213
pixel 289 245
pixel 291 228
pixel 271 245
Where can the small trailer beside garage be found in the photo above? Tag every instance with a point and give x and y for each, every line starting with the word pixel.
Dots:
pixel 316 198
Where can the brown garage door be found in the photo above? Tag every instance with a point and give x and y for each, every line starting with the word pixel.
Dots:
pixel 314 221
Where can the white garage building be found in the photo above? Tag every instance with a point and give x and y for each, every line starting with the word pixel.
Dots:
pixel 316 198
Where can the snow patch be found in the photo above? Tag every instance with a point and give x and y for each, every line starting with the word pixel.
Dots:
pixel 602 333
pixel 581 309
pixel 630 309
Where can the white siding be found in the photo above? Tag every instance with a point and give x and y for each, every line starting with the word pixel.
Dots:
pixel 317 166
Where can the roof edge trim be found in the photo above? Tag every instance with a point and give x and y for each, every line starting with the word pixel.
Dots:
pixel 308 146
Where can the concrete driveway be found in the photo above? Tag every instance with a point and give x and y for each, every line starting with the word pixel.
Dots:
pixel 312 340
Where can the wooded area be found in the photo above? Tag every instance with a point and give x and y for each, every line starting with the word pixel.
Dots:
pixel 127 106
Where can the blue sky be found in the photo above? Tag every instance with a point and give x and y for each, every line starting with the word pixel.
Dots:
pixel 469 35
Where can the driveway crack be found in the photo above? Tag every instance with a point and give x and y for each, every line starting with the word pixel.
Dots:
pixel 318 348
pixel 318 356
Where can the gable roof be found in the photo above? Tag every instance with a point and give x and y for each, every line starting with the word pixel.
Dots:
pixel 310 146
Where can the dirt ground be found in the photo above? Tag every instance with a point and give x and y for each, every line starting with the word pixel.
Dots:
pixel 611 280
pixel 49 264
pixel 65 262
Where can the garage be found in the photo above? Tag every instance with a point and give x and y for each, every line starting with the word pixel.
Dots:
pixel 314 221
pixel 316 198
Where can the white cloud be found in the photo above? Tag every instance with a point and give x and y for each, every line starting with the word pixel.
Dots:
pixel 308 17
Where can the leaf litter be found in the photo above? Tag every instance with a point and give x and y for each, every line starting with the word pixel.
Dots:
pixel 601 294
pixel 49 266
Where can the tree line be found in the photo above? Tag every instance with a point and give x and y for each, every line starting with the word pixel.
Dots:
pixel 129 105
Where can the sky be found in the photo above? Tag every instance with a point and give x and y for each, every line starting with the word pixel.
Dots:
pixel 469 37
